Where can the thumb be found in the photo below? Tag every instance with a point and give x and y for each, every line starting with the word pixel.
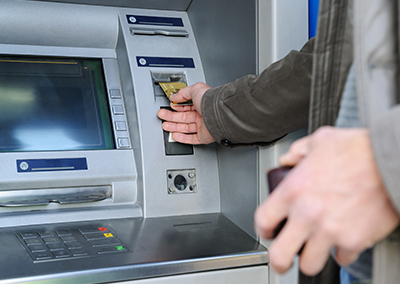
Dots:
pixel 297 151
pixel 184 95
pixel 194 92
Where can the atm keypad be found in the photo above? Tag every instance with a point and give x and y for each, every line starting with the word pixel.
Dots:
pixel 63 244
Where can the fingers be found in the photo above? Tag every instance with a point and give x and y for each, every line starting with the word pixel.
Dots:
pixel 298 230
pixel 345 257
pixel 315 254
pixel 179 127
pixel 287 244
pixel 298 150
pixel 182 108
pixel 180 117
pixel 290 241
pixel 270 213
pixel 186 139
pixel 194 93
pixel 184 95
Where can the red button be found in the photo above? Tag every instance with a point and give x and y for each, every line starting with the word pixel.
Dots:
pixel 103 229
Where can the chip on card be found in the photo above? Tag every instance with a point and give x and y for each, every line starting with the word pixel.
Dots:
pixel 171 88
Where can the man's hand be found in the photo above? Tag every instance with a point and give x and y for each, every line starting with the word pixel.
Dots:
pixel 186 123
pixel 333 197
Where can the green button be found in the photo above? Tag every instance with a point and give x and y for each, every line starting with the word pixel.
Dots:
pixel 120 247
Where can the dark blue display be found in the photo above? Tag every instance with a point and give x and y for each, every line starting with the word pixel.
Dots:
pixel 171 62
pixel 155 21
pixel 46 165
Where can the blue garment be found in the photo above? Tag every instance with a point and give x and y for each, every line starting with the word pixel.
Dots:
pixel 361 270
pixel 346 277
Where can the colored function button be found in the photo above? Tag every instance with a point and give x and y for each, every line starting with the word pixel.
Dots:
pixel 120 248
pixel 103 229
pixel 108 235
pixel 111 249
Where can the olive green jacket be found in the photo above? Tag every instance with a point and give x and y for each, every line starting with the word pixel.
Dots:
pixel 305 89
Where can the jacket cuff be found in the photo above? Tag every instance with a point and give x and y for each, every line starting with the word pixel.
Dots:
pixel 385 137
pixel 211 116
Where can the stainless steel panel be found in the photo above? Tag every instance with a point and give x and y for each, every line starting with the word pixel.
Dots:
pixel 155 163
pixel 283 26
pixel 239 188
pixel 54 24
pixel 226 37
pixel 176 5
pixel 157 247
pixel 226 34
pixel 254 275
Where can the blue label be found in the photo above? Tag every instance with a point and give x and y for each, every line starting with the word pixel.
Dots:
pixel 154 21
pixel 47 165
pixel 170 62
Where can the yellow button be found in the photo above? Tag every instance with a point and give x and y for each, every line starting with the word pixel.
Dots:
pixel 108 235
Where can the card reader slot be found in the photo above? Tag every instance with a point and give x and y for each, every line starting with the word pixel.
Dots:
pixel 35 197
pixel 158 78
pixel 163 32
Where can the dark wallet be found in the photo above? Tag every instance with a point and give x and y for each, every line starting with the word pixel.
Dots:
pixel 274 177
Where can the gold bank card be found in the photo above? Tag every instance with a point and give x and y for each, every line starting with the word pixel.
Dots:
pixel 171 88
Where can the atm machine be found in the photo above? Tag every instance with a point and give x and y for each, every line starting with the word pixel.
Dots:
pixel 92 190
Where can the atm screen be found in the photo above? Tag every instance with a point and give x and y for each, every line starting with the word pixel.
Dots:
pixel 50 104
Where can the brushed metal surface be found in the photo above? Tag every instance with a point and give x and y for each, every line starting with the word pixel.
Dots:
pixel 157 247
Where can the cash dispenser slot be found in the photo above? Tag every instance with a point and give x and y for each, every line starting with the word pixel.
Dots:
pixel 172 147
pixel 35 197
pixel 162 32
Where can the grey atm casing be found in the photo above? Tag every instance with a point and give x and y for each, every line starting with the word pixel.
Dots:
pixel 202 235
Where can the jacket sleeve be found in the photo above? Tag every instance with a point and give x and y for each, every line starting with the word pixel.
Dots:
pixel 260 109
pixel 385 137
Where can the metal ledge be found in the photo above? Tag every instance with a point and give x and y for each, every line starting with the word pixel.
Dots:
pixel 156 248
